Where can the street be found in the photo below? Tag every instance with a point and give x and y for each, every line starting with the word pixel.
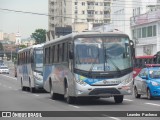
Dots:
pixel 13 99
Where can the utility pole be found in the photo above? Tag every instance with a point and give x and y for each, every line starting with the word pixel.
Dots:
pixel 11 55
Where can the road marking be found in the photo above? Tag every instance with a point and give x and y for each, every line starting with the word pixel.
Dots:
pixel 127 100
pixel 35 95
pixel 10 77
pixel 74 106
pixel 110 117
pixel 153 104
pixel 114 118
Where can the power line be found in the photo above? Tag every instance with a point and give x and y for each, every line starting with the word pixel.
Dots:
pixel 55 16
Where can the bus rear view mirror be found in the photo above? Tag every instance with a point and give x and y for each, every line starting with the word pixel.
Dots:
pixel 70 55
pixel 132 48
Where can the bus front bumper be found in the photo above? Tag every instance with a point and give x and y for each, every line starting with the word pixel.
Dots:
pixel 104 91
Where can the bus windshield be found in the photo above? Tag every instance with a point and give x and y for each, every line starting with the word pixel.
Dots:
pixel 102 54
pixel 39 59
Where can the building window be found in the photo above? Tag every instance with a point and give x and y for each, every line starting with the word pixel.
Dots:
pixel 83 12
pixel 139 32
pixel 75 12
pixel 96 3
pixel 83 3
pixel 101 12
pixel 75 3
pixel 154 30
pixel 144 31
pixel 149 31
pixel 101 3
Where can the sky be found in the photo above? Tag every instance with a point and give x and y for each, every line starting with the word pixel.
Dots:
pixel 26 24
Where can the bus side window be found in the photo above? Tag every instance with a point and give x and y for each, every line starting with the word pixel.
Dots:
pixel 70 51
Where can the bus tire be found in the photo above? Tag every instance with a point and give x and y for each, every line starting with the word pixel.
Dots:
pixel 118 99
pixel 32 90
pixel 136 93
pixel 149 96
pixel 69 99
pixel 22 87
pixel 53 95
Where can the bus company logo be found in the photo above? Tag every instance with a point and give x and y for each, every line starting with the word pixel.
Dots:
pixel 6 114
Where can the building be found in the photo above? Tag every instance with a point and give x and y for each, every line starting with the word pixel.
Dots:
pixel 73 13
pixel 122 11
pixel 18 39
pixel 1 35
pixel 28 42
pixel 146 33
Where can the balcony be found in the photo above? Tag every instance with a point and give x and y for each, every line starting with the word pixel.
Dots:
pixel 107 16
pixel 90 7
pixel 90 0
pixel 107 0
pixel 90 16
pixel 107 8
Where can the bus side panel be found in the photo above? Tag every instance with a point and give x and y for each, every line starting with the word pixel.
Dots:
pixel 57 74
pixel 47 69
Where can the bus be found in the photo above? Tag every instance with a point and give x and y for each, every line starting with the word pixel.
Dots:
pixel 30 68
pixel 88 65
pixel 140 61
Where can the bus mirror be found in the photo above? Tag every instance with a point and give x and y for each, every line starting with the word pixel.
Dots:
pixel 132 48
pixel 144 77
pixel 70 55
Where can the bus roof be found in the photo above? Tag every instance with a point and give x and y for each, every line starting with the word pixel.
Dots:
pixel 33 46
pixel 145 56
pixel 93 33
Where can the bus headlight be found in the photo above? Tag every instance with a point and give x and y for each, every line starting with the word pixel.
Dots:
pixel 81 82
pixel 155 83
pixel 37 78
pixel 126 81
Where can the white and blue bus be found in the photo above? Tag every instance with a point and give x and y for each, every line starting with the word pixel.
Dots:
pixel 89 64
pixel 30 67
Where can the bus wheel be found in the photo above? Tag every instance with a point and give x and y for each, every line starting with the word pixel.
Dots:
pixel 32 90
pixel 136 93
pixel 22 87
pixel 53 95
pixel 149 96
pixel 118 99
pixel 69 99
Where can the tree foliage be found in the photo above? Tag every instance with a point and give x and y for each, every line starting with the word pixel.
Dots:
pixel 22 46
pixel 39 35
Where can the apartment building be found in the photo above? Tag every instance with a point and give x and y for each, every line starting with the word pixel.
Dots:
pixel 123 10
pixel 77 13
pixel 146 33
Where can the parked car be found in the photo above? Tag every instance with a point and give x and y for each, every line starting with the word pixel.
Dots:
pixel 147 82
pixel 4 69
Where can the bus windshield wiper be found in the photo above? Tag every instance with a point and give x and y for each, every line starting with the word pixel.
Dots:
pixel 117 68
pixel 91 68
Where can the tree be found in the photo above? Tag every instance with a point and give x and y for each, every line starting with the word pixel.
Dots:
pixel 39 35
pixel 22 46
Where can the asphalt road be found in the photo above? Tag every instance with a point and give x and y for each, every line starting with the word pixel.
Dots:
pixel 13 99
